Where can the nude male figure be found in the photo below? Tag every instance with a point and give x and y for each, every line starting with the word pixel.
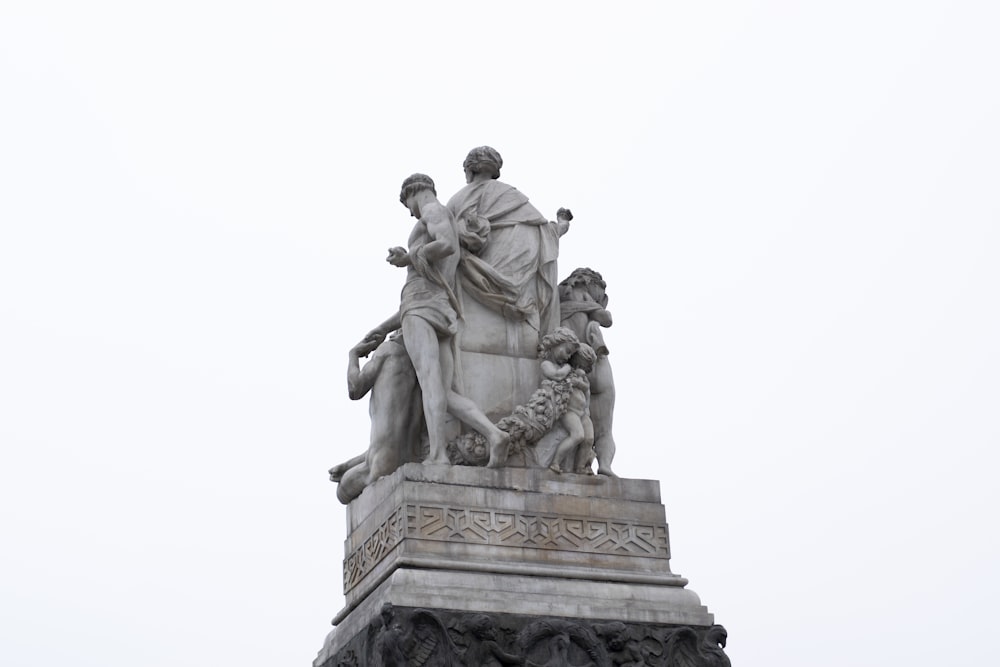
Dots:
pixel 396 414
pixel 428 316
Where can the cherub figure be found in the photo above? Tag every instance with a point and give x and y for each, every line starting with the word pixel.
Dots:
pixel 555 351
pixel 583 361
pixel 486 652
pixel 623 651
pixel 583 307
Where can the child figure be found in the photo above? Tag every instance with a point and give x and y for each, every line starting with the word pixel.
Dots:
pixel 556 350
pixel 583 361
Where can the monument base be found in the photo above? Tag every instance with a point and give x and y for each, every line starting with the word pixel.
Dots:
pixel 449 565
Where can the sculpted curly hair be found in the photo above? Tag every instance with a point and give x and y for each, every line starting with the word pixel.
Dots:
pixel 484 159
pixel 557 337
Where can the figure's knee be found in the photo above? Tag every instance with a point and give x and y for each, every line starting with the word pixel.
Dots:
pixel 352 484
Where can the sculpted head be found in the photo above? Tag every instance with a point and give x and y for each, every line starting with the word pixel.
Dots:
pixel 586 279
pixel 559 345
pixel 482 626
pixel 717 635
pixel 411 186
pixel 584 358
pixel 616 634
pixel 482 160
pixel 584 276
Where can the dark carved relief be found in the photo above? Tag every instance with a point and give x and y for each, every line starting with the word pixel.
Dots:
pixel 687 648
pixel 553 642
pixel 406 637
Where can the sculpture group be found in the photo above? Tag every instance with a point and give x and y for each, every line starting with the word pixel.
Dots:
pixel 489 360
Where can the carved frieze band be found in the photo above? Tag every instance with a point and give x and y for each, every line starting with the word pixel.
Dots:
pixel 375 547
pixel 415 636
pixel 520 529
pixel 506 528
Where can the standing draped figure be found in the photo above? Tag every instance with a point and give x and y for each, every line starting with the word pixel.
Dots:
pixel 508 285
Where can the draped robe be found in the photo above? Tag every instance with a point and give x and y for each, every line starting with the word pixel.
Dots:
pixel 508 291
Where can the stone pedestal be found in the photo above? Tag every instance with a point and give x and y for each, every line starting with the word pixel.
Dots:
pixel 447 563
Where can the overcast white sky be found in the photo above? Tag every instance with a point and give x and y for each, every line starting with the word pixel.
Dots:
pixel 794 204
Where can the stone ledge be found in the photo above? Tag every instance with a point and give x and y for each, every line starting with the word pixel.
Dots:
pixel 619 535
pixel 530 480
pixel 526 596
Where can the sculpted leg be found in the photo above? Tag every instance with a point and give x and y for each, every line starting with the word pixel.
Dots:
pixel 585 452
pixel 602 409
pixel 422 345
pixel 353 483
pixel 337 471
pixel 468 412
pixel 575 435
pixel 383 459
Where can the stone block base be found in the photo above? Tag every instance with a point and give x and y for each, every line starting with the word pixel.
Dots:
pixel 449 565
pixel 402 636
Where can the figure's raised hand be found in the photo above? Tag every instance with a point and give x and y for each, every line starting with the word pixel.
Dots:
pixel 563 216
pixel 398 256
pixel 368 345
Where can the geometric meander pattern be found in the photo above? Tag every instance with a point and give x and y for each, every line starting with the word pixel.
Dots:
pixel 505 528
pixel 374 549
pixel 529 530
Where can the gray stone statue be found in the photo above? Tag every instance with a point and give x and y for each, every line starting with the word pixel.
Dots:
pixel 565 358
pixel 584 300
pixel 507 281
pixel 428 316
pixel 479 301
pixel 396 412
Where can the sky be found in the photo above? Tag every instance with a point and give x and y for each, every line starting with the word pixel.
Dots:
pixel 795 207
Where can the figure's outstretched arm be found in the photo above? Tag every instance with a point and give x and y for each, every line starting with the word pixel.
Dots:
pixel 381 331
pixel 361 380
pixel 398 256
pixel 502 656
pixel 563 218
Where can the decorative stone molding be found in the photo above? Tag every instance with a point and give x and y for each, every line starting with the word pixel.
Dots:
pixel 505 528
pixel 375 547
pixel 531 530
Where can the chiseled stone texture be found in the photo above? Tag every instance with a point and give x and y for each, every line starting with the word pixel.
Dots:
pixel 403 635
pixel 512 540
pixel 507 521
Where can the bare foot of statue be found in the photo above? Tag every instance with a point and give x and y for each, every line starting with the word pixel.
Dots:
pixel 606 472
pixel 441 458
pixel 498 447
pixel 555 468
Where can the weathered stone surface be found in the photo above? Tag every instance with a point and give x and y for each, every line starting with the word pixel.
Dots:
pixel 502 547
pixel 405 635
pixel 516 541
pixel 529 522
